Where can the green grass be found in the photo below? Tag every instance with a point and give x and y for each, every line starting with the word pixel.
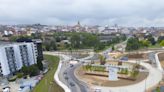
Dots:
pixel 94 68
pixel 47 84
pixel 155 46
pixel 106 47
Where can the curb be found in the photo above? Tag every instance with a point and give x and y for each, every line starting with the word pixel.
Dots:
pixel 158 62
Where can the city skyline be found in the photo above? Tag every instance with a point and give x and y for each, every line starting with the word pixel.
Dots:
pixel 64 12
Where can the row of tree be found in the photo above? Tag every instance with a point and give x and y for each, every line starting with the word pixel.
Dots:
pixel 133 43
pixel 79 41
pixel 73 40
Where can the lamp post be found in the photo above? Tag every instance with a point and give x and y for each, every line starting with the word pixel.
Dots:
pixel 145 83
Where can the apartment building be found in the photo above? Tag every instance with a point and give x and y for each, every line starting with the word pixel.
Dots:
pixel 38 48
pixel 13 56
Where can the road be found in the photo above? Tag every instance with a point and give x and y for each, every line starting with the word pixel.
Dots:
pixel 79 86
pixel 154 77
pixel 67 76
pixel 66 73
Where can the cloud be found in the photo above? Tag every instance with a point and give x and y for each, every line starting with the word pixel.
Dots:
pixel 102 12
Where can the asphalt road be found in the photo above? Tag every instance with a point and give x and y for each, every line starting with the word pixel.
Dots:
pixel 67 76
pixel 79 86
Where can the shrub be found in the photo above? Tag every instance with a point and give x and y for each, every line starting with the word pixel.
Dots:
pixel 19 75
pixel 13 78
pixel 30 70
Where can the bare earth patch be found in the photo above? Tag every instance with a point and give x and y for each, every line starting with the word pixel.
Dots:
pixel 161 59
pixel 138 56
pixel 103 81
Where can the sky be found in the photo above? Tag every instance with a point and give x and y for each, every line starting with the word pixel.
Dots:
pixel 88 12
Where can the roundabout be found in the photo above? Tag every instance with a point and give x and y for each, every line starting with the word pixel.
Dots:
pixel 146 78
pixel 98 77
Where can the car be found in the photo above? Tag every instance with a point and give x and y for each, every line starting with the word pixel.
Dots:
pixel 97 90
pixel 71 65
pixel 65 72
pixel 20 89
pixel 71 84
pixel 78 60
pixel 66 78
pixel 82 62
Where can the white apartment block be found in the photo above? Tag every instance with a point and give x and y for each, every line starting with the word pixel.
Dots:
pixel 13 56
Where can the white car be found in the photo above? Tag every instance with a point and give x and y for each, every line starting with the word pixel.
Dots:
pixel 97 90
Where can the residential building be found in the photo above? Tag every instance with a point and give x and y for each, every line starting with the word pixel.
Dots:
pixel 13 56
pixel 38 48
pixel 37 45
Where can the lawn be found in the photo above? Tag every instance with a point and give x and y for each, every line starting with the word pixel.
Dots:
pixel 155 46
pixel 47 84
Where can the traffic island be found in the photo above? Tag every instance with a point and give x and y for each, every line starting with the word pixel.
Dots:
pixel 99 75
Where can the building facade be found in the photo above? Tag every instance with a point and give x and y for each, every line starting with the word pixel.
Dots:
pixel 38 46
pixel 13 56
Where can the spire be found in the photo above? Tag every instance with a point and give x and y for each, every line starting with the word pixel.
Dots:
pixel 78 23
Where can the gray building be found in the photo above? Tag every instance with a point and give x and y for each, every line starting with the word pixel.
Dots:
pixel 13 56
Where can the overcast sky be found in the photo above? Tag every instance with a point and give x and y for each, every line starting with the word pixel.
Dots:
pixel 88 12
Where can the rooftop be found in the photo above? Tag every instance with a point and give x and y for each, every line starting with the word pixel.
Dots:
pixel 2 43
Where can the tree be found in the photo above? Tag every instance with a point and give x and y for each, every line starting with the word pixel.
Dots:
pixel 50 45
pixel 25 70
pixel 162 43
pixel 46 45
pixel 39 63
pixel 113 48
pixel 36 35
pixel 145 43
pixel 33 70
pixel 89 40
pixel 13 38
pixel 132 44
pixel 160 39
pixel 70 49
pixel 152 40
pixel 158 89
pixel 123 37
pixel 102 59
pixel 75 41
pixel 53 45
pixel 99 46
pixel 116 40
pixel 30 70
pixel 135 70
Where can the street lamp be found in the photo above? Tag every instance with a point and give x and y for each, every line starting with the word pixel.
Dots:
pixel 145 83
